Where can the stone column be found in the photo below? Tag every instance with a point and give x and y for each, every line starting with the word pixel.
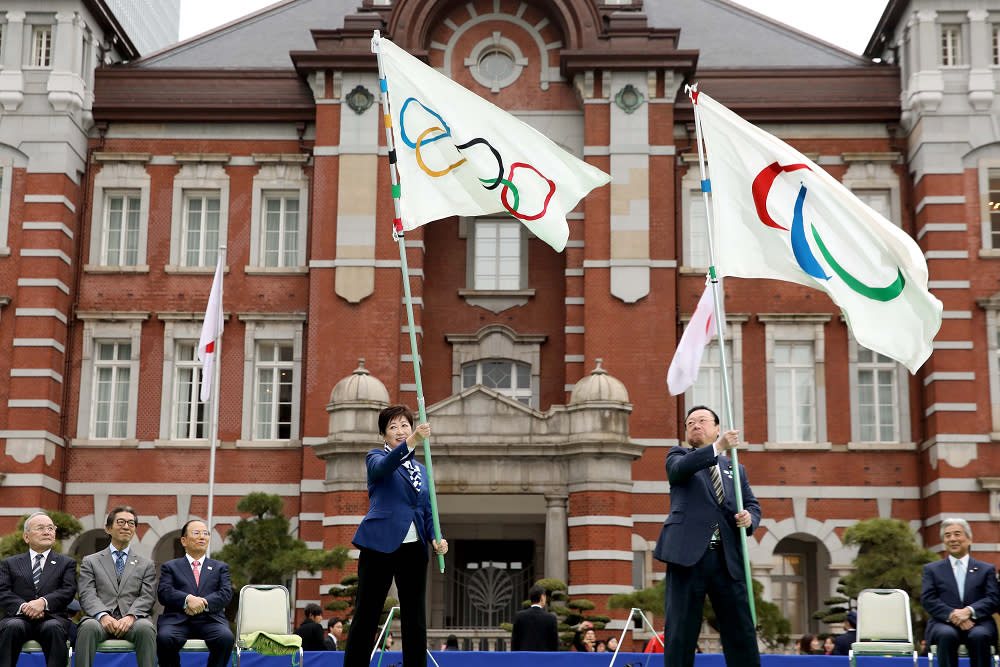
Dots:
pixel 556 537
pixel 980 72
pixel 11 78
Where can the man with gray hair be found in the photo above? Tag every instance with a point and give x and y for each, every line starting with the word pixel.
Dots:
pixel 960 594
pixel 35 589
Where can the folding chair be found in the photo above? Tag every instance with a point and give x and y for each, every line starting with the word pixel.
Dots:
pixel 31 646
pixel 884 626
pixel 266 609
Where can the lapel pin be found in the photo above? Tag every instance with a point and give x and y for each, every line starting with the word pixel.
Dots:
pixel 52 562
pixel 209 567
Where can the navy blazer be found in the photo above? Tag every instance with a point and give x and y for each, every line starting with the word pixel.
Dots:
pixel 177 582
pixel 57 585
pixel 393 503
pixel 939 593
pixel 694 509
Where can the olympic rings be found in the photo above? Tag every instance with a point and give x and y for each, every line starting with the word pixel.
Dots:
pixel 509 190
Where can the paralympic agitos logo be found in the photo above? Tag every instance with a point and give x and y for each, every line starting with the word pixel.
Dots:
pixel 510 196
pixel 808 261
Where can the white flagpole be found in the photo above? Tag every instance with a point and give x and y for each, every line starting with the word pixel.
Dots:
pixel 216 377
pixel 706 187
pixel 397 234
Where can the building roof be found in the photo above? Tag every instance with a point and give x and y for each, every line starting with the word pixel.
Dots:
pixel 726 34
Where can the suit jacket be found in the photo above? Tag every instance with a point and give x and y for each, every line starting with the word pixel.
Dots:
pixel 939 593
pixel 694 509
pixel 57 585
pixel 842 643
pixel 177 582
pixel 534 630
pixel 101 590
pixel 312 635
pixel 393 503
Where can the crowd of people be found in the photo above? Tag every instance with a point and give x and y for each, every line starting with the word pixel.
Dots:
pixel 117 588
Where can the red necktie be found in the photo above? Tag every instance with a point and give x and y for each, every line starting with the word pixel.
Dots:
pixel 197 577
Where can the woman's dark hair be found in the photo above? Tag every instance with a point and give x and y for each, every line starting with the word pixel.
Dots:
pixel 391 413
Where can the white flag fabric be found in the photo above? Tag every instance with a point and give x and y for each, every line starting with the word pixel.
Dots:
pixel 778 215
pixel 700 330
pixel 210 332
pixel 457 154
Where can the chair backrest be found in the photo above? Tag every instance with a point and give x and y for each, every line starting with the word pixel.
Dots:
pixel 884 615
pixel 263 609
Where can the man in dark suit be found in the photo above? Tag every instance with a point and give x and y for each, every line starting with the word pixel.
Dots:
pixel 700 543
pixel 194 591
pixel 842 643
pixel 35 591
pixel 534 628
pixel 117 593
pixel 311 629
pixel 960 594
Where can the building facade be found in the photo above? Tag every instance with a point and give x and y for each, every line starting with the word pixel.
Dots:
pixel 544 373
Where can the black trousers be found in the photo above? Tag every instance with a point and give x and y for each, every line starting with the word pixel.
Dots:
pixel 685 597
pixel 978 640
pixel 376 570
pixel 49 632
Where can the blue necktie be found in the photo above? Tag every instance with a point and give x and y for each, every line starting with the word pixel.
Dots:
pixel 36 570
pixel 119 562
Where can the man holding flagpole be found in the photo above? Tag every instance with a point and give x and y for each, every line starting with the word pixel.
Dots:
pixel 700 543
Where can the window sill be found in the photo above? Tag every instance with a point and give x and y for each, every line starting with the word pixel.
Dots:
pixel 268 444
pixel 496 300
pixel 276 270
pixel 193 270
pixel 118 443
pixel 881 446
pixel 100 268
pixel 686 270
pixel 989 253
pixel 803 446
pixel 5 251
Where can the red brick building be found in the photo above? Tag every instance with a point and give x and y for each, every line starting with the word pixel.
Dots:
pixel 263 136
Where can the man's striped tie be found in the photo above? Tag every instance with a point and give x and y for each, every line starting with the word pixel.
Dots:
pixel 36 570
pixel 717 484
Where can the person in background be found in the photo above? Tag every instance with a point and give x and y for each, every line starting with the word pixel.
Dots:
pixel 534 628
pixel 612 643
pixel 451 644
pixel 335 628
pixel 842 643
pixel 600 647
pixel 828 645
pixel 311 629
pixel 388 642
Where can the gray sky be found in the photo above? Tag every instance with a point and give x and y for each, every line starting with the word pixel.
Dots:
pixel 846 23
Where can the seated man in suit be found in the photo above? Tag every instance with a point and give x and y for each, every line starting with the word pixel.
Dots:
pixel 311 629
pixel 35 591
pixel 194 591
pixel 117 593
pixel 534 628
pixel 960 594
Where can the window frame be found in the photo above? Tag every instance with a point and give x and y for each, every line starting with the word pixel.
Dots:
pixel 515 392
pixel 796 328
pixel 734 339
pixel 954 51
pixel 901 411
pixel 98 328
pixel 475 233
pixel 497 341
pixel 692 200
pixel 201 174
pixel 284 177
pixel 270 328
pixel 986 166
pixel 118 176
pixel 6 188
pixel 33 60
pixel 875 173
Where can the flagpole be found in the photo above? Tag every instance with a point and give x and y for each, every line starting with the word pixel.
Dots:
pixel 216 376
pixel 397 234
pixel 706 188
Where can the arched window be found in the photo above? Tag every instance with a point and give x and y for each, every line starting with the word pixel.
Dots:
pixel 511 378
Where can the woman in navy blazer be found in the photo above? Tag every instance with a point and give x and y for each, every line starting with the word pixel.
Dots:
pixel 393 539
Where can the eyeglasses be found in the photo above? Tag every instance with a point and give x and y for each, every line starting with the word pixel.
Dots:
pixel 125 522
pixel 44 529
pixel 198 533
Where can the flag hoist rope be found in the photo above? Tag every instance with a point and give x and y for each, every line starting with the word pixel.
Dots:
pixel 706 188
pixel 397 234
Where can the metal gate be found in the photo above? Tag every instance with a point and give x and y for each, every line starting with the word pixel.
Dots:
pixel 486 594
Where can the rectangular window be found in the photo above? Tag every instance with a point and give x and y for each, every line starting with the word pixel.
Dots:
pixel 497 255
pixel 120 246
pixel 951 44
pixel 877 397
pixel 698 254
pixel 795 388
pixel 707 390
pixel 510 378
pixel 112 375
pixel 41 46
pixel 280 230
pixel 995 41
pixel 788 589
pixel 994 207
pixel 189 412
pixel 274 377
pixel 200 230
